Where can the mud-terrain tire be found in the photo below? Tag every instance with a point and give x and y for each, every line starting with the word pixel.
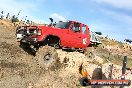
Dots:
pixel 47 57
pixel 24 45
pixel 57 45
pixel 89 52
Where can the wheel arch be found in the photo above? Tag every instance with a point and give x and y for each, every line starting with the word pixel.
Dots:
pixel 51 35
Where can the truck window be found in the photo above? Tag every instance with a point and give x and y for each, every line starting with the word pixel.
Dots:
pixel 76 27
pixel 63 25
pixel 84 29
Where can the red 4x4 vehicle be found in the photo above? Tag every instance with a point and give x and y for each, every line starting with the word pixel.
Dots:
pixel 68 34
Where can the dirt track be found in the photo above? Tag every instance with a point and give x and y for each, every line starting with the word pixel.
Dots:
pixel 18 69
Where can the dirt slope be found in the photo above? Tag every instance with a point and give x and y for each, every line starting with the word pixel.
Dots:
pixel 18 69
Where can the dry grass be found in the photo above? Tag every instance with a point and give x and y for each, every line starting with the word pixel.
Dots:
pixel 109 42
pixel 114 56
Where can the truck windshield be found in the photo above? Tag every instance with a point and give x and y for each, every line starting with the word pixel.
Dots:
pixel 64 25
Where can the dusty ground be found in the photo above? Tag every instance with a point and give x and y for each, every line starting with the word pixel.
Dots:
pixel 18 69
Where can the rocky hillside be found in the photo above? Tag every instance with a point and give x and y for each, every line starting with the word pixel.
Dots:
pixel 18 69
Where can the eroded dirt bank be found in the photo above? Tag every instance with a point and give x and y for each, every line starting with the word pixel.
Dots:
pixel 18 69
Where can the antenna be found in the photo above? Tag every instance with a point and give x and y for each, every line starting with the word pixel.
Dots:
pixel 18 13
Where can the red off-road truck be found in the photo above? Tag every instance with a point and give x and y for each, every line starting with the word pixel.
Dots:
pixel 69 34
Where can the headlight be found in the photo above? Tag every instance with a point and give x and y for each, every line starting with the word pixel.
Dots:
pixel 39 31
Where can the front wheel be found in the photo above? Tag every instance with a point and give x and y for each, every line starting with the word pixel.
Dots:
pixel 47 57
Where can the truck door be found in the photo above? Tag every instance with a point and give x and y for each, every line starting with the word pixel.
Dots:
pixel 85 36
pixel 75 36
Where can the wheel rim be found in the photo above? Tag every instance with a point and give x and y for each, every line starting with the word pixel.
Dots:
pixel 48 58
pixel 56 46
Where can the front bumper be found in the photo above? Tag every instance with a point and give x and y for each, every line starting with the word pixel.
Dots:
pixel 29 40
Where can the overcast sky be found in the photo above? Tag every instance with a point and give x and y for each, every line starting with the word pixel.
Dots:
pixel 111 17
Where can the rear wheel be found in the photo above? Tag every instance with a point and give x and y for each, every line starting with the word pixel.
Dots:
pixel 47 57
pixel 57 44
pixel 52 41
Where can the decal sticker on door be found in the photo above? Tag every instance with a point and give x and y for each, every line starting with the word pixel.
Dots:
pixel 85 41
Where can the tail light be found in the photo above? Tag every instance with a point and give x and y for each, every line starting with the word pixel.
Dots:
pixel 39 31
